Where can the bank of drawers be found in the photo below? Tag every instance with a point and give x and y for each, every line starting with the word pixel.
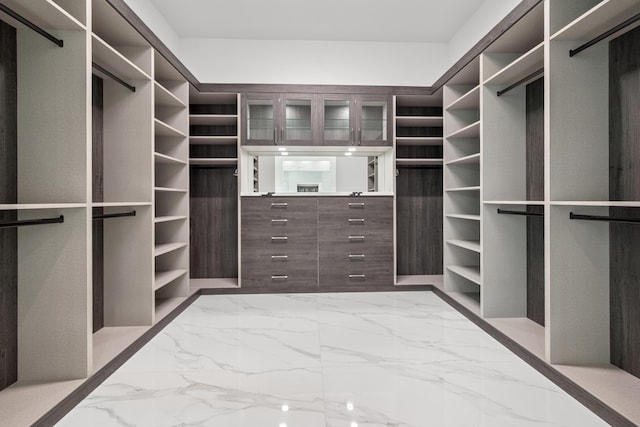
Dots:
pixel 356 241
pixel 279 241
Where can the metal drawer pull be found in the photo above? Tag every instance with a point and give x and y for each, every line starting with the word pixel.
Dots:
pixel 356 220
pixel 356 205
pixel 356 237
pixel 279 277
pixel 279 257
pixel 357 276
pixel 279 221
pixel 356 257
pixel 279 239
pixel 278 205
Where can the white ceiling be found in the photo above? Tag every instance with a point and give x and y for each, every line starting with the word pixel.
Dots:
pixel 410 21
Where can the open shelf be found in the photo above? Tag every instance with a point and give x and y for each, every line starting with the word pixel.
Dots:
pixel 604 16
pixel 163 278
pixel 466 160
pixel 470 131
pixel 431 121
pixel 118 204
pixel 170 190
pixel 467 101
pixel 419 140
pixel 474 188
pixel 31 206
pixel 160 219
pixel 212 162
pixel 165 98
pixel 469 272
pixel 471 245
pixel 165 248
pixel 46 14
pixel 520 68
pixel 611 203
pixel 213 140
pixel 163 158
pixel 114 61
pixel 163 129
pixel 514 202
pixel 464 217
pixel 213 119
pixel 419 162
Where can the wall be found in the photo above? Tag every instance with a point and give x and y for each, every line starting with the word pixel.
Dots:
pixel 158 24
pixel 477 26
pixel 314 62
pixel 322 62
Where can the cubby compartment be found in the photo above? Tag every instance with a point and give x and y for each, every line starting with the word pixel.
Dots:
pixel 111 32
pixel 122 269
pixel 513 261
pixel 122 143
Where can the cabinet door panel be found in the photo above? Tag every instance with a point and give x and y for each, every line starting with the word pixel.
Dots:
pixel 260 118
pixel 374 119
pixel 300 119
pixel 337 119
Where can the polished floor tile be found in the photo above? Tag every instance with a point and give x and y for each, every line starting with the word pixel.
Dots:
pixel 402 359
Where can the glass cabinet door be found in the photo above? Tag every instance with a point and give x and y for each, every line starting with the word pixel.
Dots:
pixel 337 120
pixel 259 125
pixel 299 119
pixel 374 120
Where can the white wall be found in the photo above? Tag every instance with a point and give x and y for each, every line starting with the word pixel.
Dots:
pixel 314 62
pixel 158 24
pixel 477 26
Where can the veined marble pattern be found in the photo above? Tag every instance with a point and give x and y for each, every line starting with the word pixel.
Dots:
pixel 401 359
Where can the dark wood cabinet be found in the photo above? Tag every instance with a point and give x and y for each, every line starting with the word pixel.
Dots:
pixel 279 242
pixel 290 242
pixel 316 119
pixel 356 241
pixel 355 120
pixel 279 119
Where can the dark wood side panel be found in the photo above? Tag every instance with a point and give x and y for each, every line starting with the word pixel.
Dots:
pixel 97 118
pixel 535 191
pixel 419 220
pixel 624 184
pixel 213 223
pixel 8 194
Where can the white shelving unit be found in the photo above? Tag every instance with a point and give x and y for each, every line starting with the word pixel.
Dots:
pixel 462 160
pixel 171 172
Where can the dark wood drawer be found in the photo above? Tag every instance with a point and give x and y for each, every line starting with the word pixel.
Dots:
pixel 272 268
pixel 265 219
pixel 374 271
pixel 346 215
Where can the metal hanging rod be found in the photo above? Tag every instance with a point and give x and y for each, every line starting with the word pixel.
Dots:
pixel 519 82
pixel 113 77
pixel 604 218
pixel 114 215
pixel 31 25
pixel 25 222
pixel 604 35
pixel 507 212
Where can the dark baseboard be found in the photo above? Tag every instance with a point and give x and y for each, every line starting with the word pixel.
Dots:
pixel 594 404
pixel 67 404
pixel 307 289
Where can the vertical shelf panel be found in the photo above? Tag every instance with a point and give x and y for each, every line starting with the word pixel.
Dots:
pixel 8 195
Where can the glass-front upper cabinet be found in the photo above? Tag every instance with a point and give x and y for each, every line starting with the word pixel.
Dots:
pixel 356 119
pixel 299 114
pixel 337 119
pixel 279 119
pixel 260 119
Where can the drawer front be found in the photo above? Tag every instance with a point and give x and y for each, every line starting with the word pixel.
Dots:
pixel 279 268
pixel 279 242
pixel 356 241
pixel 349 216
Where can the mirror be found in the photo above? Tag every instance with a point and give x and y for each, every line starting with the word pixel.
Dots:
pixel 316 174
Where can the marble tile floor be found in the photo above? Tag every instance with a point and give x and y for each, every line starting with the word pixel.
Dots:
pixel 401 359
